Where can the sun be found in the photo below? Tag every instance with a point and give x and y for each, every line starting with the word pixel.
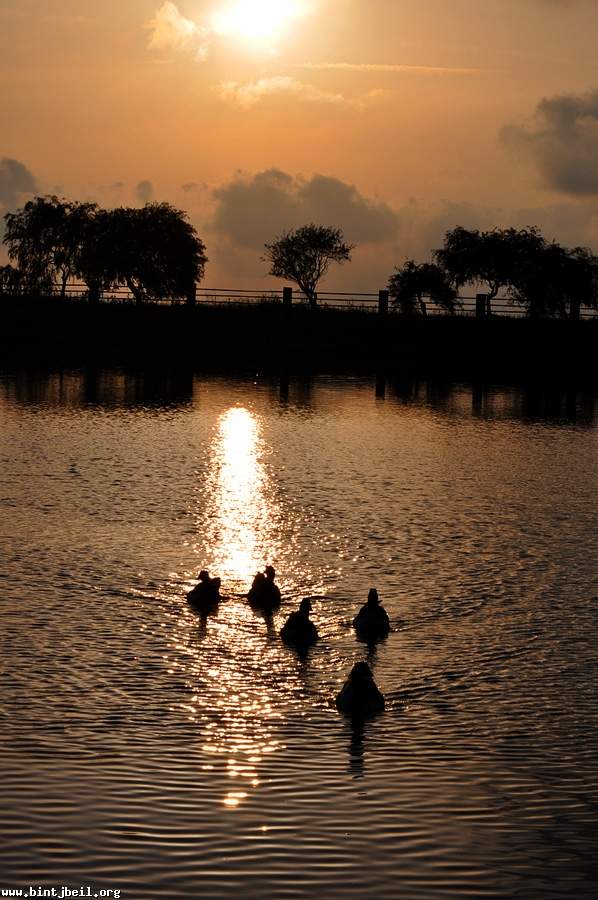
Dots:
pixel 258 21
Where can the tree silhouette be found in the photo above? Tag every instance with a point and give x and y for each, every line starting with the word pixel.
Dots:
pixel 44 239
pixel 304 256
pixel 557 281
pixel 96 263
pixel 11 281
pixel 154 251
pixel 412 282
pixel 493 257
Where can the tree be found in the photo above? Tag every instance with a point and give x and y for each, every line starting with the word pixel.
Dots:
pixel 154 251
pixel 95 262
pixel 581 280
pixel 493 257
pixel 412 282
pixel 11 281
pixel 304 256
pixel 44 239
pixel 557 281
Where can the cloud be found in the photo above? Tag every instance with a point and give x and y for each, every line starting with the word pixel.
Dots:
pixel 389 68
pixel 169 30
pixel 562 141
pixel 252 210
pixel 422 226
pixel 249 93
pixel 15 181
pixel 144 192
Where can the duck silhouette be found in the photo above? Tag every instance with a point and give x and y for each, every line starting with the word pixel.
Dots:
pixel 205 596
pixel 359 696
pixel 372 622
pixel 298 629
pixel 264 594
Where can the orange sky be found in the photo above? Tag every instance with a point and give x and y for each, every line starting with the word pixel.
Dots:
pixel 422 114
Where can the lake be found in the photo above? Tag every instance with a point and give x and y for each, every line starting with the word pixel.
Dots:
pixel 151 752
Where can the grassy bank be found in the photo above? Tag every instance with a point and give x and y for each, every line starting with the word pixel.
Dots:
pixel 259 338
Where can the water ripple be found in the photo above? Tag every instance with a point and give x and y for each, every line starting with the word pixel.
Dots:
pixel 147 749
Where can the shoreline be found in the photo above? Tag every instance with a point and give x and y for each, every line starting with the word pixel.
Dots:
pixel 271 338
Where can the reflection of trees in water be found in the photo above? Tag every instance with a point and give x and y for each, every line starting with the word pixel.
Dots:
pixel 550 403
pixel 102 387
pixel 556 404
pixel 155 388
pixel 297 393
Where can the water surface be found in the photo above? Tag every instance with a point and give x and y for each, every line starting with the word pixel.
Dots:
pixel 151 751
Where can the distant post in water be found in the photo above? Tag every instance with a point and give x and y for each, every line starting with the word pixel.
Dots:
pixel 287 297
pixel 481 306
pixel 383 303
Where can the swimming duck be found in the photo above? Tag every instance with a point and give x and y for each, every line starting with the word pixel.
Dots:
pixel 264 593
pixel 372 620
pixel 206 593
pixel 360 695
pixel 298 628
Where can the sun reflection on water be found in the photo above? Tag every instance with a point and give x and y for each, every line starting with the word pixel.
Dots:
pixel 234 667
pixel 243 681
pixel 238 723
pixel 245 513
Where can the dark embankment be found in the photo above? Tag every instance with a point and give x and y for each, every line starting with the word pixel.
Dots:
pixel 268 337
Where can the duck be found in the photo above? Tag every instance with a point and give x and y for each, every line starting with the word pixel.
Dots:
pixel 298 628
pixel 372 622
pixel 205 596
pixel 360 696
pixel 264 594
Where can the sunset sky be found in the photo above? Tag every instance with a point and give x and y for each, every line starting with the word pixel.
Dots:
pixel 394 119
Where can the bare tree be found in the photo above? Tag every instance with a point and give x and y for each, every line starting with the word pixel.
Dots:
pixel 304 256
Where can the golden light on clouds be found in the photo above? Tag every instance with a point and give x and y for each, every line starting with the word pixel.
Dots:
pixel 249 93
pixel 255 22
pixel 170 30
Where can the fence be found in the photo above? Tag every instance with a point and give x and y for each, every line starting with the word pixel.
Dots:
pixel 477 305
pixel 378 302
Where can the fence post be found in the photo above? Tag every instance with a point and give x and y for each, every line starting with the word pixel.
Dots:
pixel 383 303
pixel 192 294
pixel 481 306
pixel 287 297
pixel 575 310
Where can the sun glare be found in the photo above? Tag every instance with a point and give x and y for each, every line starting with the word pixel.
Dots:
pixel 245 512
pixel 259 21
